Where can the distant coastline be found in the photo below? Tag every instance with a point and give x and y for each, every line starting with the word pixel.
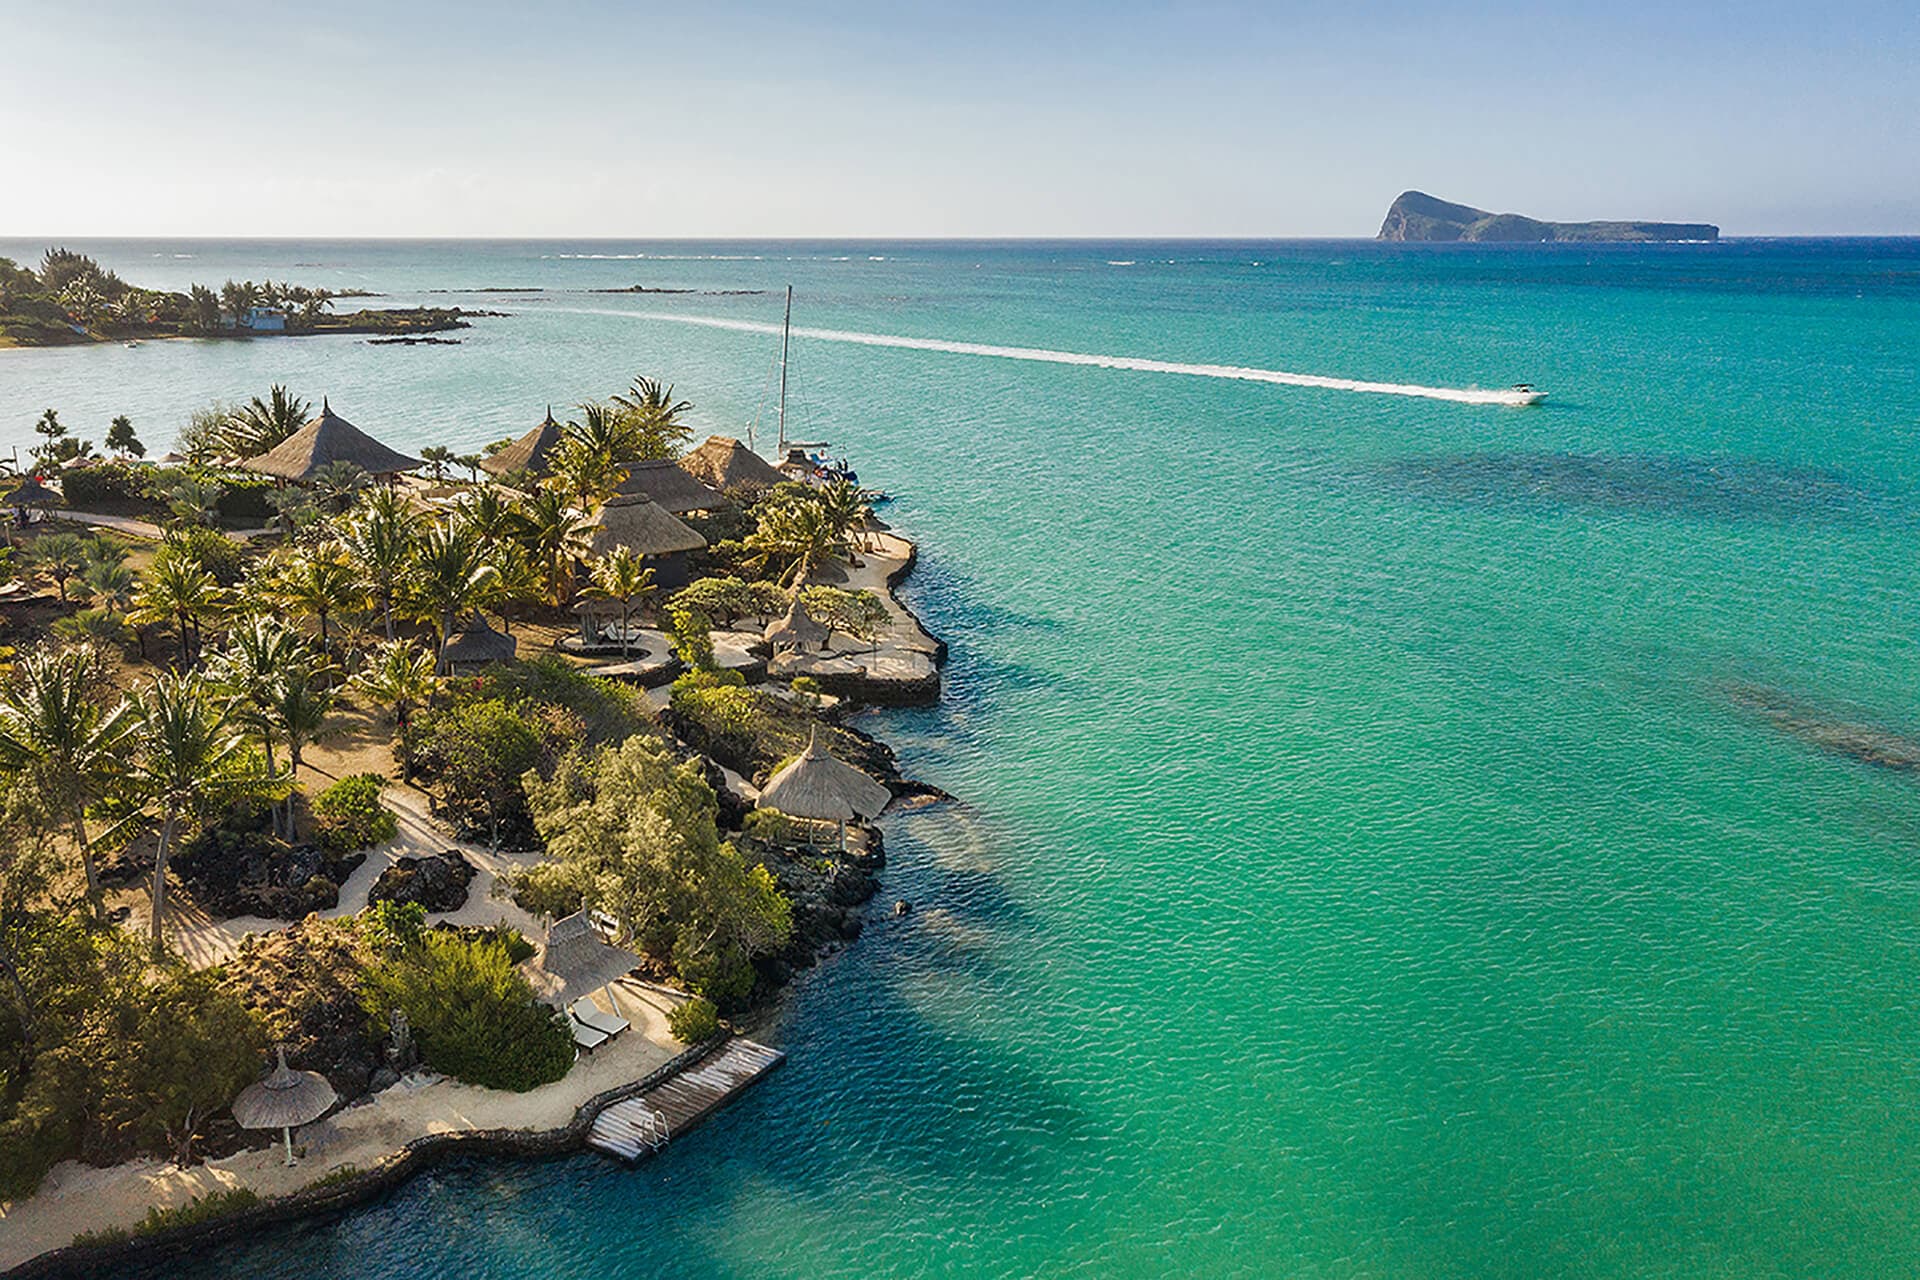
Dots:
pixel 1417 216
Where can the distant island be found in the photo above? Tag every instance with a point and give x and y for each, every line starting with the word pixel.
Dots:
pixel 1419 216
pixel 73 299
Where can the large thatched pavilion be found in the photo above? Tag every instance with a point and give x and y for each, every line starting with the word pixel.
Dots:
pixel 724 463
pixel 328 439
pixel 532 453
pixel 819 788
pixel 668 487
pixel 651 533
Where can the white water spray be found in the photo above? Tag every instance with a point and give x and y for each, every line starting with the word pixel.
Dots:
pixel 1240 373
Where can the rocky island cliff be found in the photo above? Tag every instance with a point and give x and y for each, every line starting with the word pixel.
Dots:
pixel 1419 216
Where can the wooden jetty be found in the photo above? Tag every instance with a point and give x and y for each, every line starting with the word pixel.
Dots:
pixel 636 1127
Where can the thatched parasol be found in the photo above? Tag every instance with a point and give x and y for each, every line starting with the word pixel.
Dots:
pixel 724 463
pixel 642 527
pixel 668 487
pixel 286 1098
pixel 327 439
pixel 795 629
pixel 32 493
pixel 577 961
pixel 478 644
pixel 820 788
pixel 531 453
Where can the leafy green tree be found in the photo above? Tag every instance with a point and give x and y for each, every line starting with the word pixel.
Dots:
pixel 861 614
pixel 583 472
pixel 50 429
pixel 471 1011
pixel 300 702
pixel 476 749
pixel 317 582
pixel 188 758
pixel 194 1047
pixel 121 438
pixel 799 534
pixel 204 308
pixel 59 734
pixel 727 599
pixel 637 830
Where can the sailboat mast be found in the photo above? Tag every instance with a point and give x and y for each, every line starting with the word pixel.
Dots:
pixel 786 334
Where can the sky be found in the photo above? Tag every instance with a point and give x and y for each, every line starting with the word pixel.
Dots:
pixel 989 119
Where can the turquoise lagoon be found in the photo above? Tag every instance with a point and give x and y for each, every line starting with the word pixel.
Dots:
pixel 1373 854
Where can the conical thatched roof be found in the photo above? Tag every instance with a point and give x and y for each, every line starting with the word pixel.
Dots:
pixel 796 629
pixel 329 438
pixel 531 453
pixel 819 787
pixel 32 493
pixel 285 1099
pixel 642 527
pixel 577 961
pixel 479 643
pixel 667 486
pixel 724 463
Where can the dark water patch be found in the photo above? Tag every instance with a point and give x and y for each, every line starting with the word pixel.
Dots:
pixel 1833 734
pixel 1651 484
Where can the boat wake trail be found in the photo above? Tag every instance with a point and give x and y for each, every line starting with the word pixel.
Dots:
pixel 1239 373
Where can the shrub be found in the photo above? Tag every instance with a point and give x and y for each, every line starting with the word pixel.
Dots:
pixel 764 824
pixel 694 1021
pixel 215 1204
pixel 393 927
pixel 348 815
pixel 475 753
pixel 110 483
pixel 208 548
pixel 608 710
pixel 515 942
pixel 722 973
pixel 472 1012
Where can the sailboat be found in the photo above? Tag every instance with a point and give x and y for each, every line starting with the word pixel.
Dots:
pixel 800 459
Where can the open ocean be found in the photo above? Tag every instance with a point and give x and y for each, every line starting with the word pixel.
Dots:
pixel 1391 836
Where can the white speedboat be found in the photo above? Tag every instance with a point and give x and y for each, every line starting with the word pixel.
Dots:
pixel 1525 393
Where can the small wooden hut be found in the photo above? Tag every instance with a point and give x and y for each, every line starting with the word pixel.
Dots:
pixel 532 453
pixel 668 487
pixel 477 645
pixel 723 463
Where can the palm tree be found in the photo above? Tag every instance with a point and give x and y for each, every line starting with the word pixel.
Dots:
pixel 54 728
pixel 61 556
pixel 382 536
pixel 177 590
pixel 195 500
pixel 188 757
pixel 438 458
pixel 655 418
pixel 338 483
pixel 490 515
pixel 259 648
pixel 557 536
pixel 298 708
pixel 258 425
pixel 111 586
pixel 607 430
pixel 619 577
pixel 450 576
pixel 800 533
pixel 847 508
pixel 319 582
pixel 400 677
pixel 517 580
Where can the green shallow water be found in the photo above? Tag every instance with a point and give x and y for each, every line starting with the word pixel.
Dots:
pixel 1369 860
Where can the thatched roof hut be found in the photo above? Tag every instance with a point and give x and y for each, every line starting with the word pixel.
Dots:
pixel 329 438
pixel 478 645
pixel 668 487
pixel 724 463
pixel 818 787
pixel 796 629
pixel 577 961
pixel 531 453
pixel 641 526
pixel 31 493
pixel 285 1099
